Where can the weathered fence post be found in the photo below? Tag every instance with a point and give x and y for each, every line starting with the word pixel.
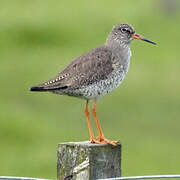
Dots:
pixel 87 161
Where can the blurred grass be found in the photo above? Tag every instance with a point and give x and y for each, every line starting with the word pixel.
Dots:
pixel 38 38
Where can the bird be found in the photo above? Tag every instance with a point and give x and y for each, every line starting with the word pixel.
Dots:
pixel 96 73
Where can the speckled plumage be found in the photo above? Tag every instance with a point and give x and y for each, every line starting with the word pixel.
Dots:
pixel 96 72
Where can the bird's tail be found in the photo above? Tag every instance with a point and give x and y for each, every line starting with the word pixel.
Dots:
pixel 38 88
pixel 46 88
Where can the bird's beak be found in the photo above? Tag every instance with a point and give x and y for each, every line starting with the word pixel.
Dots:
pixel 137 36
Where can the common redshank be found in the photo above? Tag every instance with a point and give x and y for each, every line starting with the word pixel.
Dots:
pixel 96 73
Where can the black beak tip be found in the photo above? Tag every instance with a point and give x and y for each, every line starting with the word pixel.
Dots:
pixel 149 41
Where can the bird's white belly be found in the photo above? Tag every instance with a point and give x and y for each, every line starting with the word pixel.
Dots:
pixel 95 91
pixel 105 86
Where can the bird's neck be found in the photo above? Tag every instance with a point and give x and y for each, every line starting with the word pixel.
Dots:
pixel 119 48
pixel 117 43
pixel 121 53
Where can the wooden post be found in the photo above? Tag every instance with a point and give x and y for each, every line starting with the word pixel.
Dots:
pixel 87 161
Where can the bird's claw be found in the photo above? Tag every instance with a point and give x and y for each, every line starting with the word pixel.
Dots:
pixel 92 140
pixel 103 140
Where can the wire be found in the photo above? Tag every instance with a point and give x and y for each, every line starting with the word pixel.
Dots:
pixel 144 177
pixel 118 178
pixel 20 178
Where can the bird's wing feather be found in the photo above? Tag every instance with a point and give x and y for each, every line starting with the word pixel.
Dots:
pixel 86 69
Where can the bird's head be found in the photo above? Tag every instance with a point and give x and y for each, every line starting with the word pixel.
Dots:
pixel 124 34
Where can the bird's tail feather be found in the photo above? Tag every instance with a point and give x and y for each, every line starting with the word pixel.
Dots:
pixel 42 88
pixel 37 88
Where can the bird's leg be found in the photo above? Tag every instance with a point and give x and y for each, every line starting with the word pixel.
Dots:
pixel 101 137
pixel 92 139
pixel 100 133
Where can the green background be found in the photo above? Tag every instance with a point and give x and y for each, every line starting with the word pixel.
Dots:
pixel 38 38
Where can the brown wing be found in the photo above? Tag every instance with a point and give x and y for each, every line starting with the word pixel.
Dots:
pixel 86 69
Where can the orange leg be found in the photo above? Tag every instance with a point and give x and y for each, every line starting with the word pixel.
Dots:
pixel 101 137
pixel 92 139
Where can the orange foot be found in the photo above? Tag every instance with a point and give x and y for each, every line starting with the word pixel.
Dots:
pixel 103 140
pixel 92 140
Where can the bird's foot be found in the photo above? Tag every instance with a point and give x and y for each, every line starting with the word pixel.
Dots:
pixel 103 140
pixel 95 141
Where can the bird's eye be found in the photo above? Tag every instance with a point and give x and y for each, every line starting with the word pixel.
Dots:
pixel 124 30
